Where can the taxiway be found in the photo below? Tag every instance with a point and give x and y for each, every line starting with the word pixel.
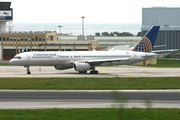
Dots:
pixel 116 71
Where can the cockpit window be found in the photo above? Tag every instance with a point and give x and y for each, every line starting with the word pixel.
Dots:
pixel 17 57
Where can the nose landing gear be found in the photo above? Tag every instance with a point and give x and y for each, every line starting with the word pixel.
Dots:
pixel 28 71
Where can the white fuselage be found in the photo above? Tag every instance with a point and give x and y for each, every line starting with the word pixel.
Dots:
pixel 67 58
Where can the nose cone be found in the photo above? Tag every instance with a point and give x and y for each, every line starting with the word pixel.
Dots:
pixel 11 62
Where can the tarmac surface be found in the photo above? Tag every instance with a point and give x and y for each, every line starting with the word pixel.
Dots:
pixel 117 71
pixel 34 99
pixel 39 99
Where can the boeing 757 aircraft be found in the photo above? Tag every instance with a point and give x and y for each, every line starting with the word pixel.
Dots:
pixel 83 61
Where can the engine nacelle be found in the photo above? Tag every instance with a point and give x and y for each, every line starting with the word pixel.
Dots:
pixel 62 67
pixel 82 66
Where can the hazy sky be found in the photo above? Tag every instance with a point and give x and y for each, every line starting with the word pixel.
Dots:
pixel 95 11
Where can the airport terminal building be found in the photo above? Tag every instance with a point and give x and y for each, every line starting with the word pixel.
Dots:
pixel 169 20
pixel 14 43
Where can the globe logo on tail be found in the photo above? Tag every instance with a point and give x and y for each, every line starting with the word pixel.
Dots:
pixel 147 42
pixel 143 46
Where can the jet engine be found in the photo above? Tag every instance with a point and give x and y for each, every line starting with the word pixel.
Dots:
pixel 62 67
pixel 82 66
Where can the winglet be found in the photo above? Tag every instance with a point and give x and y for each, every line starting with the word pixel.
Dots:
pixel 147 42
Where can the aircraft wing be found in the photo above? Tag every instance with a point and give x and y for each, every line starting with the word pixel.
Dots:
pixel 106 60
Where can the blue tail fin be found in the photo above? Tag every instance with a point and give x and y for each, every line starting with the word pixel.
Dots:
pixel 147 42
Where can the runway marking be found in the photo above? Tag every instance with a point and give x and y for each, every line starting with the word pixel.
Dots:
pixel 3 70
pixel 18 77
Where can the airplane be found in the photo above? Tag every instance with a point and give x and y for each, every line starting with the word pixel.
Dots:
pixel 83 61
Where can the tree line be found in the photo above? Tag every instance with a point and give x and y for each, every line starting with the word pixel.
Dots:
pixel 116 34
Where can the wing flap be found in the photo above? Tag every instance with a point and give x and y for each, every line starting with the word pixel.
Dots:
pixel 106 60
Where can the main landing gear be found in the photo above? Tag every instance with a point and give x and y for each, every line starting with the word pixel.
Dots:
pixel 94 71
pixel 83 72
pixel 91 72
pixel 28 71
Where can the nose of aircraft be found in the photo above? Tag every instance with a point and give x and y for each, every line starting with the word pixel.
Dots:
pixel 11 62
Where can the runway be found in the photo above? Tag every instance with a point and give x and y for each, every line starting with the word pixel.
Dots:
pixel 116 71
pixel 33 99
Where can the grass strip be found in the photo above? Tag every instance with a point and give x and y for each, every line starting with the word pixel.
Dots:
pixel 164 63
pixel 5 64
pixel 92 113
pixel 167 63
pixel 115 83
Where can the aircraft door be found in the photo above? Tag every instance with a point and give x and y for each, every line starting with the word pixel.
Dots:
pixel 58 57
pixel 28 57
pixel 55 57
pixel 134 56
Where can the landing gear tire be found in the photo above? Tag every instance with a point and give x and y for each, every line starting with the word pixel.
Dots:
pixel 82 71
pixel 28 73
pixel 94 72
